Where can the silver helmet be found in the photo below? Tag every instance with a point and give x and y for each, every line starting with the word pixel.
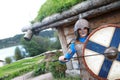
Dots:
pixel 80 24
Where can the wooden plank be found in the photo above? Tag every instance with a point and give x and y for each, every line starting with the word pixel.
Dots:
pixel 62 39
pixel 68 30
pixel 108 18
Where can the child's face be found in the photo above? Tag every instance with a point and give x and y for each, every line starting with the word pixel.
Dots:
pixel 83 32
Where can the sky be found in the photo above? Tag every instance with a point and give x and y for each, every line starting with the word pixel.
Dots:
pixel 16 14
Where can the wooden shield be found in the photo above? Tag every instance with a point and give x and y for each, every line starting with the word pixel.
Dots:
pixel 98 41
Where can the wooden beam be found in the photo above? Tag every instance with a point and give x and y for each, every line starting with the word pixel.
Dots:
pixel 75 10
pixel 64 45
pixel 87 14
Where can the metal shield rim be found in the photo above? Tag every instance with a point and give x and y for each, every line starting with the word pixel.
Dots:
pixel 101 27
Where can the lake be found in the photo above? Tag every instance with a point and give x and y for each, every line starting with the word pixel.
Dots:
pixel 6 52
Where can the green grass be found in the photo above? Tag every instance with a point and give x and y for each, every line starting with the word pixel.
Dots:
pixel 19 67
pixel 23 66
pixel 55 6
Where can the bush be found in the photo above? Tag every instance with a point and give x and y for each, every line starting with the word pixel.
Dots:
pixel 57 69
pixel 18 54
pixel 8 60
pixel 40 69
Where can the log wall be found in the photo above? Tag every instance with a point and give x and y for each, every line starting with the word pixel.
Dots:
pixel 108 18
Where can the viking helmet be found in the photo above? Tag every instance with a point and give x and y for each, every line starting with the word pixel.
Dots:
pixel 80 24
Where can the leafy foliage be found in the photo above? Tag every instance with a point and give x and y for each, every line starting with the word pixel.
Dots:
pixel 36 46
pixel 8 60
pixel 47 33
pixel 40 44
pixel 54 6
pixel 56 44
pixel 18 54
pixel 57 69
pixel 40 69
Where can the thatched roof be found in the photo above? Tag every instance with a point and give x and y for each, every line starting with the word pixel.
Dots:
pixel 86 9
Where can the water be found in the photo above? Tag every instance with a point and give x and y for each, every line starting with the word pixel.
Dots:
pixel 7 52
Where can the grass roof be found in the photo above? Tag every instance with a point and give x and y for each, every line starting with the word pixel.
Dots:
pixel 54 6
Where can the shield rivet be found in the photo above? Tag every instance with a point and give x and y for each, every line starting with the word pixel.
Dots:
pixel 111 53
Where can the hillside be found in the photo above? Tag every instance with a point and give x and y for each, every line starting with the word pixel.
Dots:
pixel 13 41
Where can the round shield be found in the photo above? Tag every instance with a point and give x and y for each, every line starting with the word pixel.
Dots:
pixel 104 44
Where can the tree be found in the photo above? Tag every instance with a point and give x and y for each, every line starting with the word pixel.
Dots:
pixel 39 44
pixel 56 44
pixel 18 54
pixel 47 33
pixel 36 46
pixel 8 60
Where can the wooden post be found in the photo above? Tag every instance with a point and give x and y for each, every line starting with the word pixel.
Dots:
pixel 64 45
